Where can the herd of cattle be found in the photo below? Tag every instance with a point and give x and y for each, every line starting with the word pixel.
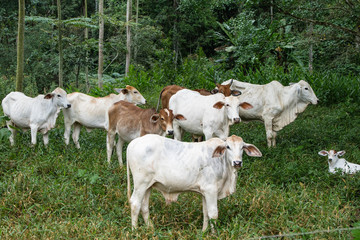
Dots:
pixel 170 165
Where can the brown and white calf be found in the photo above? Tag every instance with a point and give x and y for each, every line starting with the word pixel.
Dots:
pixel 130 122
pixel 90 112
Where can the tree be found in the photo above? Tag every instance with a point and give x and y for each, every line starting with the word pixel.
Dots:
pixel 20 47
pixel 101 43
pixel 128 36
pixel 61 54
pixel 86 36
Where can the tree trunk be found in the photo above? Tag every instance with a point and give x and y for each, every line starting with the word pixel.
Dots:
pixel 311 29
pixel 86 52
pixel 61 54
pixel 128 37
pixel 101 43
pixel 20 47
pixel 136 31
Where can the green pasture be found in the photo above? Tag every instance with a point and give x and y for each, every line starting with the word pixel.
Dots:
pixel 61 192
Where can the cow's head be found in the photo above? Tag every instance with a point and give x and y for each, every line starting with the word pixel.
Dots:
pixel 59 97
pixel 165 118
pixel 233 150
pixel 306 93
pixel 131 95
pixel 332 155
pixel 225 89
pixel 232 105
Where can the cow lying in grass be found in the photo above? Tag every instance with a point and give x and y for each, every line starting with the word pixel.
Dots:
pixel 339 164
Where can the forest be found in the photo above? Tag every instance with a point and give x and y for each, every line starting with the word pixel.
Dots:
pixel 93 47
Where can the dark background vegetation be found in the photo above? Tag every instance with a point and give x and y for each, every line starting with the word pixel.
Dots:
pixel 61 192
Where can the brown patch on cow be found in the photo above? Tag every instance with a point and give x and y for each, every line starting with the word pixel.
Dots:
pixel 180 117
pixel 246 105
pixel 130 88
pixel 219 151
pixel 167 93
pixel 224 89
pixel 49 96
pixel 218 105
pixel 235 138
pixel 203 92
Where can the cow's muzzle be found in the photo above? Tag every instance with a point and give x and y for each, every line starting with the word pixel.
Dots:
pixel 236 120
pixel 237 164
pixel 170 132
pixel 68 106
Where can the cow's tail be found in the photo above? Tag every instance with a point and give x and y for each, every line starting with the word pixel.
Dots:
pixel 128 179
pixel 158 103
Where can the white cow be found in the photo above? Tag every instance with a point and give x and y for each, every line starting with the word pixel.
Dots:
pixel 336 163
pixel 209 115
pixel 37 114
pixel 91 112
pixel 274 104
pixel 172 167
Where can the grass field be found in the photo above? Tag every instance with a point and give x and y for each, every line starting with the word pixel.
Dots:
pixel 61 192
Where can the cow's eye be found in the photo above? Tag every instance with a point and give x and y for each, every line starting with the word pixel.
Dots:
pixel 59 95
pixel 227 147
pixel 306 88
pixel 162 119
pixel 228 105
pixel 135 92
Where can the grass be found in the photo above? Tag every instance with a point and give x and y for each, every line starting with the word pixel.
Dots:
pixel 61 192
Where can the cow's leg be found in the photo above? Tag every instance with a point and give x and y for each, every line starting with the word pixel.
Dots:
pixel 67 131
pixel 110 137
pixel 34 129
pixel 119 146
pixel 145 207
pixel 211 205
pixel 11 126
pixel 269 131
pixel 273 142
pixel 135 203
pixel 206 215
pixel 177 131
pixel 46 138
pixel 76 134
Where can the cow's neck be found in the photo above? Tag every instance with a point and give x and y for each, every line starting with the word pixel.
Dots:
pixel 229 184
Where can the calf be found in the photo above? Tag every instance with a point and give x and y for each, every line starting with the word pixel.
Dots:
pixel 205 115
pixel 90 112
pixel 130 122
pixel 36 114
pixel 336 163
pixel 173 167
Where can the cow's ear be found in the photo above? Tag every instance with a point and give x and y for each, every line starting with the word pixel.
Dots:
pixel 214 91
pixel 218 105
pixel 251 150
pixel 154 118
pixel 341 153
pixel 235 93
pixel 180 117
pixel 246 105
pixel 219 151
pixel 323 153
pixel 49 96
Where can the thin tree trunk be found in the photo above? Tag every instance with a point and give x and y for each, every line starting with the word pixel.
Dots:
pixel 128 36
pixel 272 11
pixel 86 52
pixel 20 47
pixel 101 43
pixel 311 29
pixel 136 31
pixel 61 54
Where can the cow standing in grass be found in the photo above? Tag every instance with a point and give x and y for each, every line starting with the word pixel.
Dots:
pixel 173 167
pixel 274 104
pixel 90 112
pixel 36 114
